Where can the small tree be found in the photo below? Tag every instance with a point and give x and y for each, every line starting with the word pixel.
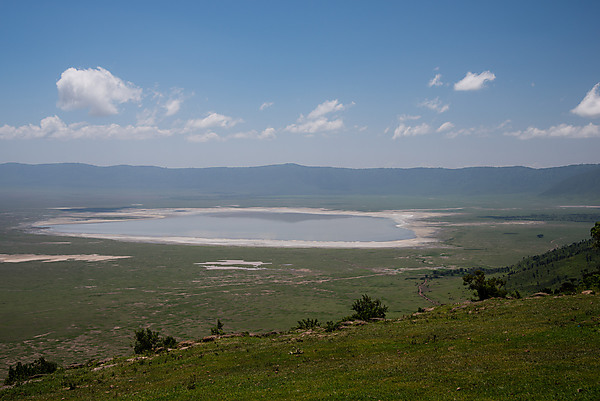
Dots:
pixel 367 308
pixel 218 329
pixel 485 288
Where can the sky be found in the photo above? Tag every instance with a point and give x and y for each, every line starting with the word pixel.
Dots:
pixel 354 84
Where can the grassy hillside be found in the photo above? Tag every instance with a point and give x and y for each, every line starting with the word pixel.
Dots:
pixel 550 270
pixel 492 350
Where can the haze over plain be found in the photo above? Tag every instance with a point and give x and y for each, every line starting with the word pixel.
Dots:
pixel 337 83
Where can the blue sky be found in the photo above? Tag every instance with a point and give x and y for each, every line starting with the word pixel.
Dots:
pixel 323 83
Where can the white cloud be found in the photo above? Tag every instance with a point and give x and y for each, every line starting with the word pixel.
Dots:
pixel 404 130
pixel 473 82
pixel 435 105
pixel 265 105
pixel 210 121
pixel 590 105
pixel 407 117
pixel 316 121
pixel 94 89
pixel 559 131
pixel 329 106
pixel 268 133
pixel 318 125
pixel 201 138
pixel 445 127
pixel 53 127
pixel 172 106
pixel 436 81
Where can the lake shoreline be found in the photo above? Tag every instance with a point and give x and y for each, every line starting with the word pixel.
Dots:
pixel 413 220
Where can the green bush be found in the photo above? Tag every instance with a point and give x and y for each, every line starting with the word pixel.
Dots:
pixel 149 341
pixel 485 288
pixel 21 372
pixel 367 308
pixel 332 326
pixel 168 342
pixel 308 324
pixel 218 329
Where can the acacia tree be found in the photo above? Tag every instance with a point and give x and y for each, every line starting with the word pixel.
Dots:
pixel 485 288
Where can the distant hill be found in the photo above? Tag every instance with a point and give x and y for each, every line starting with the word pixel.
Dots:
pixel 293 179
pixel 584 183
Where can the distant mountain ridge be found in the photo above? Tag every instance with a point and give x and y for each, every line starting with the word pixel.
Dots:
pixel 293 179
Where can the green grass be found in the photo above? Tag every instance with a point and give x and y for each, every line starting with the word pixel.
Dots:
pixel 550 270
pixel 493 350
pixel 76 311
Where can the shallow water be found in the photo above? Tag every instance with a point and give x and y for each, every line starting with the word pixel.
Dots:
pixel 253 225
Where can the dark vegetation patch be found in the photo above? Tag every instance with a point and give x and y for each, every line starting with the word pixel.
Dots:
pixel 24 371
pixel 574 217
pixel 569 267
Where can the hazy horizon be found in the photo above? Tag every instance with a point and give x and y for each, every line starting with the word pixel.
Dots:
pixel 303 165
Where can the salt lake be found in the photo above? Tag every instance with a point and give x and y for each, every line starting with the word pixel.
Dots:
pixel 248 224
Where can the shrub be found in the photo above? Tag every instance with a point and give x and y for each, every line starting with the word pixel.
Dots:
pixel 485 288
pixel 308 324
pixel 218 329
pixel 367 308
pixel 149 341
pixel 168 342
pixel 145 341
pixel 591 281
pixel 332 326
pixel 21 372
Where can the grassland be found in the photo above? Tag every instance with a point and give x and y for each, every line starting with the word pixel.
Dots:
pixel 74 311
pixel 491 350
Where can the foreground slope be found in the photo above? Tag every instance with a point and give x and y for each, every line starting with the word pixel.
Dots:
pixel 535 348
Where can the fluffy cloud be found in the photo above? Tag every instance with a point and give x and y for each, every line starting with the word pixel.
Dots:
pixel 314 126
pixel 330 106
pixel 590 105
pixel 265 105
pixel 268 133
pixel 94 89
pixel 404 130
pixel 435 105
pixel 172 106
pixel 210 121
pixel 436 81
pixel 473 82
pixel 54 127
pixel 318 121
pixel 559 131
